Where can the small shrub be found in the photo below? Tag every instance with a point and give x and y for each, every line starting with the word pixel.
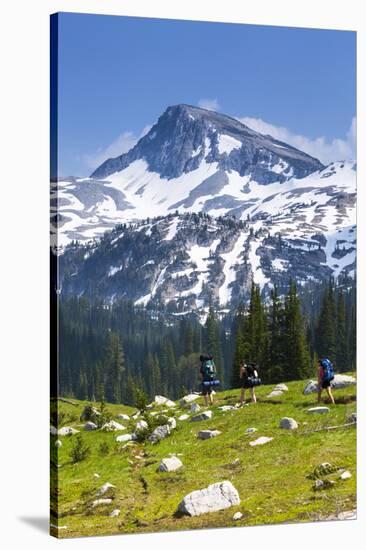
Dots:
pixel 103 449
pixel 140 400
pixel 80 450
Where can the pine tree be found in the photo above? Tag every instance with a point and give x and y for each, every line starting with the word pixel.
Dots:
pixel 342 360
pixel 114 367
pixel 241 346
pixel 276 335
pixel 297 360
pixel 325 337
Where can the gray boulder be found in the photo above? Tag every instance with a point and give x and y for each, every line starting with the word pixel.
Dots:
pixel 90 426
pixel 115 513
pixel 207 434
pixel 260 441
pixel 123 416
pixel 318 410
pixel 141 426
pixel 340 381
pixel 275 393
pixel 287 423
pixel 183 417
pixel 67 430
pixel 205 415
pixel 352 417
pixel 170 464
pixel 161 432
pixel 101 502
pixel 112 426
pixel 195 408
pixel 172 423
pixel 187 399
pixel 225 408
pixel 281 387
pixel 213 498
pixel 126 437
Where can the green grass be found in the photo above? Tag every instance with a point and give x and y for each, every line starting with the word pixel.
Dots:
pixel 271 479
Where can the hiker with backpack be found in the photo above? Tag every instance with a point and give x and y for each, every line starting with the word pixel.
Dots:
pixel 325 377
pixel 208 376
pixel 250 379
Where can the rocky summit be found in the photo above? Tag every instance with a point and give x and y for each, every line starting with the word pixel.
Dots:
pixel 199 208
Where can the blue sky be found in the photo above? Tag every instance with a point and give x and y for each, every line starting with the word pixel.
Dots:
pixel 118 74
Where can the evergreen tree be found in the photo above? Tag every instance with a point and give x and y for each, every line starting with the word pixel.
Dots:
pixel 342 360
pixel 114 366
pixel 276 339
pixel 241 346
pixel 297 360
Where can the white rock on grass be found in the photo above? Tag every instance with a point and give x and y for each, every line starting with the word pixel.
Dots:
pixel 281 387
pixel 187 399
pixel 96 476
pixel 112 426
pixel 172 423
pixel 287 423
pixel 195 408
pixel 318 410
pixel 170 404
pixel 136 415
pixel 115 513
pixel 340 381
pixel 126 437
pixel 170 464
pixel 213 498
pixel 160 400
pixel 205 415
pixel 101 502
pixel 58 443
pixel 104 488
pixel 237 515
pixel 183 417
pixel 345 475
pixel 161 432
pixel 250 430
pixel 225 408
pixel 260 441
pixel 66 430
pixel 90 426
pixel 275 393
pixel 141 426
pixel 207 434
pixel 123 416
pixel 352 417
pixel 53 430
pixel 319 484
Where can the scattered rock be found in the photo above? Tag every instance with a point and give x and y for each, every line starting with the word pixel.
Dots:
pixel 170 404
pixel 352 417
pixel 141 426
pixel 318 410
pixel 207 434
pixel 205 415
pixel 58 527
pixel 170 464
pixel 187 399
pixel 287 423
pixel 58 443
pixel 104 488
pixel 340 381
pixel 237 515
pixel 96 476
pixel 172 423
pixel 217 496
pixel 225 408
pixel 112 426
pixel 346 475
pixel 101 502
pixel 66 430
pixel 275 393
pixel 319 484
pixel 53 430
pixel 122 416
pixel 89 413
pixel 90 426
pixel 250 430
pixel 195 407
pixel 281 387
pixel 126 437
pixel 350 514
pixel 160 400
pixel 161 432
pixel 136 415
pixel 260 441
pixel 183 417
pixel 115 513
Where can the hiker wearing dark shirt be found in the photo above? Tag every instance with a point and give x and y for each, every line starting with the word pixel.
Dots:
pixel 325 377
pixel 248 373
pixel 208 375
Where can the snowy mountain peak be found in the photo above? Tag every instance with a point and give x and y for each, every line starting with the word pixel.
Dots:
pixel 185 136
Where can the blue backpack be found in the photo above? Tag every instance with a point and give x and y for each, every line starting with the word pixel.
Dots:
pixel 328 370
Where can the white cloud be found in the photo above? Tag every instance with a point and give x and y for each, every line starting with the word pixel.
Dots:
pixel 123 143
pixel 325 151
pixel 209 104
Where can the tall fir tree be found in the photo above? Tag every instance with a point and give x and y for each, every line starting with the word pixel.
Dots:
pixel 297 360
pixel 325 337
pixel 342 360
